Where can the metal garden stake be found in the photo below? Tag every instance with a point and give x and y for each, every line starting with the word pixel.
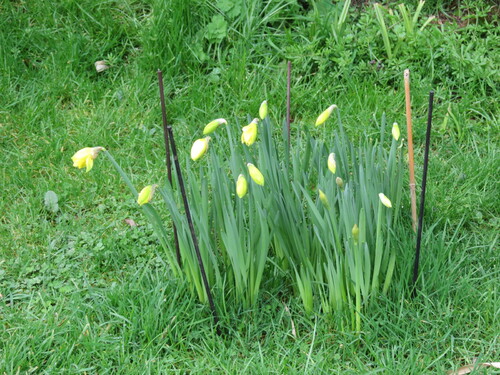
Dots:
pixel 191 228
pixel 167 156
pixel 422 194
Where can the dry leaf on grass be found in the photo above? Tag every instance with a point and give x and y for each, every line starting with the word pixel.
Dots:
pixel 101 66
pixel 470 368
pixel 130 222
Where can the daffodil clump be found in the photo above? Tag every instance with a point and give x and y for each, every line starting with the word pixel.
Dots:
pixel 318 218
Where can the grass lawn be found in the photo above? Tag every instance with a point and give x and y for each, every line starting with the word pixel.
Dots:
pixel 81 291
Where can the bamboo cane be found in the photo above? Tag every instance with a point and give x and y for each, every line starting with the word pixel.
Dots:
pixel 411 162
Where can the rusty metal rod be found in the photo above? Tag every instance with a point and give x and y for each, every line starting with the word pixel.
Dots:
pixel 167 157
pixel 191 228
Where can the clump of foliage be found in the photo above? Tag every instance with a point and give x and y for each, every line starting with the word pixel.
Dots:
pixel 315 213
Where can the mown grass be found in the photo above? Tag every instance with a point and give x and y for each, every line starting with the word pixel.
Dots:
pixel 82 292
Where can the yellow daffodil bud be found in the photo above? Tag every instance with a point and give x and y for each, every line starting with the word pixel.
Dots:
pixel 255 174
pixel 339 182
pixel 263 110
pixel 395 131
pixel 249 134
pixel 385 201
pixel 85 157
pixel 324 116
pixel 213 125
pixel 323 198
pixel 146 194
pixel 332 165
pixel 355 233
pixel 241 186
pixel 200 146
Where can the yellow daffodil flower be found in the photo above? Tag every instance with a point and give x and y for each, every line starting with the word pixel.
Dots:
pixel 200 146
pixel 85 157
pixel 255 174
pixel 323 198
pixel 213 125
pixel 241 186
pixel 339 182
pixel 146 194
pixel 249 134
pixel 332 165
pixel 395 131
pixel 385 201
pixel 263 110
pixel 324 116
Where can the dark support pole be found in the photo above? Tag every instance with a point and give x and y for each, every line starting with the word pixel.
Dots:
pixel 191 227
pixel 422 194
pixel 167 157
pixel 288 120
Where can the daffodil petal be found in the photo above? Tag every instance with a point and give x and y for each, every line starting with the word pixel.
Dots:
pixel 85 157
pixel 249 134
pixel 89 163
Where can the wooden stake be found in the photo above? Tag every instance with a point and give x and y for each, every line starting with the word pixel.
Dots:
pixel 411 162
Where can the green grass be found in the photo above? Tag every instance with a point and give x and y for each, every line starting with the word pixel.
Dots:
pixel 82 292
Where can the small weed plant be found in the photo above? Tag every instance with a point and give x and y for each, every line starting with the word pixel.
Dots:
pixel 320 213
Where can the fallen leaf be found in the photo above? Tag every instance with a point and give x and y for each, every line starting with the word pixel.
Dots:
pixel 130 222
pixel 101 66
pixel 470 368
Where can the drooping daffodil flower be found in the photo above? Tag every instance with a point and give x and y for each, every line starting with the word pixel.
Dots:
pixel 241 186
pixel 395 131
pixel 385 201
pixel 213 125
pixel 324 116
pixel 263 110
pixel 332 165
pixel 323 198
pixel 85 157
pixel 199 148
pixel 146 194
pixel 255 174
pixel 249 134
